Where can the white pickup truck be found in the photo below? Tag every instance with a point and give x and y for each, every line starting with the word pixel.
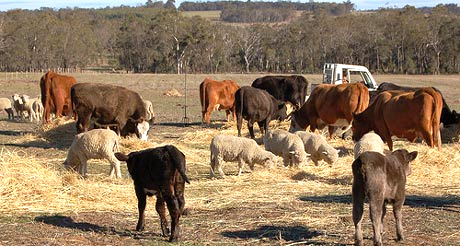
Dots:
pixel 333 74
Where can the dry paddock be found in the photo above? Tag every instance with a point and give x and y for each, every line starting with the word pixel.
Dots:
pixel 41 203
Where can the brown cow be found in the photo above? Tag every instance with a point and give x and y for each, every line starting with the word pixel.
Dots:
pixel 402 114
pixel 382 178
pixel 55 94
pixel 330 105
pixel 217 95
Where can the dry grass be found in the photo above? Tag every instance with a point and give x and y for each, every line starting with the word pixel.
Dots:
pixel 266 206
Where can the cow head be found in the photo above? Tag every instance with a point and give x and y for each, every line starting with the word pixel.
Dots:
pixel 130 160
pixel 359 127
pixel 405 157
pixel 282 111
pixel 142 130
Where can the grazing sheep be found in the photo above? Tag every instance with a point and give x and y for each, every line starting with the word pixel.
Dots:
pixel 150 117
pixel 243 150
pixel 5 105
pixel 368 142
pixel 27 106
pixel 318 148
pixel 38 109
pixel 18 105
pixel 286 144
pixel 94 144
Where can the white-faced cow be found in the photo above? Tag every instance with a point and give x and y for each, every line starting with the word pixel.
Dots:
pixel 331 105
pixel 292 89
pixel 256 105
pixel 109 105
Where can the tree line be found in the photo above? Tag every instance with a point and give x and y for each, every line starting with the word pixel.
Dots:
pixel 164 40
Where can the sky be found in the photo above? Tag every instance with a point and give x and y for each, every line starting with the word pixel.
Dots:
pixel 6 5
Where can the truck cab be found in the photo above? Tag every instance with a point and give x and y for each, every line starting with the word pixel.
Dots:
pixel 333 73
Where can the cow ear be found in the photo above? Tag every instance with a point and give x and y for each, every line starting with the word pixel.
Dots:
pixel 121 157
pixel 411 156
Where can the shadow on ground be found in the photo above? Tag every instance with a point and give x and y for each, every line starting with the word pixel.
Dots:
pixel 68 222
pixel 288 233
pixel 448 203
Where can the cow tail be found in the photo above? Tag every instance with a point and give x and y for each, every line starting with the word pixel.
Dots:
pixel 178 159
pixel 436 115
pixel 358 177
pixel 203 97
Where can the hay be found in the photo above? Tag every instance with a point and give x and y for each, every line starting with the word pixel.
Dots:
pixel 172 93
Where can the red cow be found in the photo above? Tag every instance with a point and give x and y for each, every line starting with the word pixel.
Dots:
pixel 55 94
pixel 217 95
pixel 331 105
pixel 402 114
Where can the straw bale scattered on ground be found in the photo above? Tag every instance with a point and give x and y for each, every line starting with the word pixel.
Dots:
pixel 172 93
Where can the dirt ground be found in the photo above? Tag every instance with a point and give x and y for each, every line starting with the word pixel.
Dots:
pixel 307 206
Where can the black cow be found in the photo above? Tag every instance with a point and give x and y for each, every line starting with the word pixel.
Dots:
pixel 109 105
pixel 448 117
pixel 291 89
pixel 160 172
pixel 256 105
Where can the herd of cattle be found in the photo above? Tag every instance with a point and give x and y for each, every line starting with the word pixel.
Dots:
pixel 374 118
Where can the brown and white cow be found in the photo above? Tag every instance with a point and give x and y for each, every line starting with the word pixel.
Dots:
pixel 55 94
pixel 217 95
pixel 161 172
pixel 331 105
pixel 403 114
pixel 382 178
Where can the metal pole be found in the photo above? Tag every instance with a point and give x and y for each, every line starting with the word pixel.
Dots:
pixel 185 120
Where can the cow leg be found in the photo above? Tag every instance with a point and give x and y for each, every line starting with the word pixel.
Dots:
pixel 161 210
pixel 251 129
pixel 59 104
pixel 397 212
pixel 227 112
pixel 174 212
pixel 179 192
pixel 141 202
pixel 375 206
pixel 358 203
pixel 428 137
pixel 331 130
pixel 207 114
pixel 239 123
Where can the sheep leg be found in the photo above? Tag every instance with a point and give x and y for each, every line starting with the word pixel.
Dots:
pixel 115 167
pixel 240 166
pixel 82 169
pixel 219 162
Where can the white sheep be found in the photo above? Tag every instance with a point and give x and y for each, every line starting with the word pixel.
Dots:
pixel 368 142
pixel 243 150
pixel 37 109
pixel 149 111
pixel 318 148
pixel 5 105
pixel 18 105
pixel 94 144
pixel 287 145
pixel 27 106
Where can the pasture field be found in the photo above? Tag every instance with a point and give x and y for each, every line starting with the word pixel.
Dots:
pixel 42 204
